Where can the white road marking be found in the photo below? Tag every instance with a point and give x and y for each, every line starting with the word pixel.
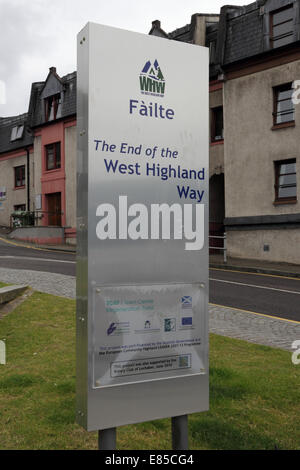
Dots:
pixel 38 259
pixel 256 287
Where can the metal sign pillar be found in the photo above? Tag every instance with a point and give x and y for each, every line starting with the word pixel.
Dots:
pixel 142 231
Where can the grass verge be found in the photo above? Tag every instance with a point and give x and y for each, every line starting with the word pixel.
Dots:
pixel 254 390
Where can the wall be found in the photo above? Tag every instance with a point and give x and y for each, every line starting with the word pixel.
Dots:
pixel 251 147
pixel 37 157
pixel 52 181
pixel 62 180
pixel 71 157
pixel 7 179
pixel 283 244
pixel 41 235
pixel 216 150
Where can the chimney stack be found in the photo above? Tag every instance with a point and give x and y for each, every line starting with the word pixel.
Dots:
pixel 156 23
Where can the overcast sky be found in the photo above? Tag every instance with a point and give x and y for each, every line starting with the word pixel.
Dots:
pixel 38 34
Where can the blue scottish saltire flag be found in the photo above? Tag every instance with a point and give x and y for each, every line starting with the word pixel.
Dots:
pixel 187 301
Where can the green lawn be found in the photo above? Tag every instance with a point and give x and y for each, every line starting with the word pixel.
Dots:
pixel 2 285
pixel 254 391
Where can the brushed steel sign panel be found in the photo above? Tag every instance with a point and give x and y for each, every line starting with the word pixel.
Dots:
pixel 142 228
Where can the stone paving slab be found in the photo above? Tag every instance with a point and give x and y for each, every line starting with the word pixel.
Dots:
pixel 223 321
pixel 50 283
pixel 257 329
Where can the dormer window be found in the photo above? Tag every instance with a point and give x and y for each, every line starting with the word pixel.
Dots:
pixel 282 26
pixel 16 133
pixel 53 107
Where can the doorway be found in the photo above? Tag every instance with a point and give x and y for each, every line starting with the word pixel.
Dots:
pixel 54 209
pixel 216 211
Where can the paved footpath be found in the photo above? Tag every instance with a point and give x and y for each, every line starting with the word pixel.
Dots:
pixel 50 283
pixel 254 328
pixel 224 321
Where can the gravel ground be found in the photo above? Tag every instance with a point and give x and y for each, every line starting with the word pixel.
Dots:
pixel 222 320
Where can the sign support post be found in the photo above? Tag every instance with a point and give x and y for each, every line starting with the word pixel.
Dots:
pixel 107 439
pixel 180 433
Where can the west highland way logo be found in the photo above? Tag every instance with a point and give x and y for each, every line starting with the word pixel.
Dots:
pixel 152 81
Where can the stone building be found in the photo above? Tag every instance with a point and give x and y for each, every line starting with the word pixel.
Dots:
pixel 255 140
pixel 16 167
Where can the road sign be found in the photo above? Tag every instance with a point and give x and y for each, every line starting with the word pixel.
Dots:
pixel 142 277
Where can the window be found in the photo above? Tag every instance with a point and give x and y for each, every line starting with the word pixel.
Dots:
pixel 284 109
pixel 282 26
pixel 16 133
pixel 212 51
pixel 217 126
pixel 53 107
pixel 20 176
pixel 285 181
pixel 53 160
pixel 20 208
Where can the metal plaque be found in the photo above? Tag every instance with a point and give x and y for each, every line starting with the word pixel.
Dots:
pixel 142 228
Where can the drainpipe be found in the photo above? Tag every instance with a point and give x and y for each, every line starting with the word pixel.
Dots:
pixel 28 179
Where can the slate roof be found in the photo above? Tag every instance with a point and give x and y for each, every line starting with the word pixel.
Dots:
pixel 244 31
pixel 69 105
pixel 241 33
pixel 35 110
pixel 35 116
pixel 184 34
pixel 6 126
pixel 244 34
pixel 36 106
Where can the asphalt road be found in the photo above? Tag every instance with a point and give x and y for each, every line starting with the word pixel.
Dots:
pixel 19 257
pixel 269 295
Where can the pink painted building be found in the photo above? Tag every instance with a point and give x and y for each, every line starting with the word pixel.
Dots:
pixel 42 163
